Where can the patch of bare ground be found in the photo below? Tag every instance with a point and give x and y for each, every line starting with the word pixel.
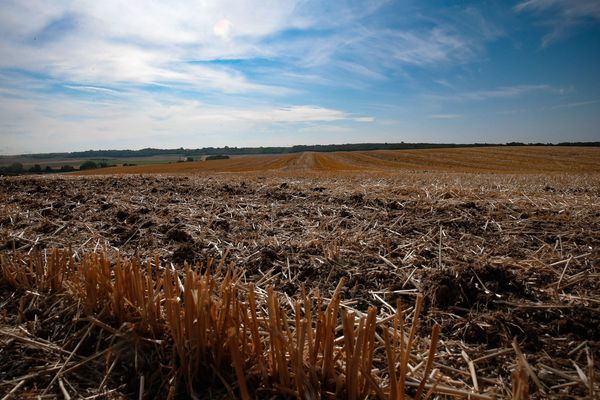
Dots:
pixel 508 265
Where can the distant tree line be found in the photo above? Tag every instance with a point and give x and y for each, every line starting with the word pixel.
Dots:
pixel 217 157
pixel 89 164
pixel 18 168
pixel 574 144
pixel 208 151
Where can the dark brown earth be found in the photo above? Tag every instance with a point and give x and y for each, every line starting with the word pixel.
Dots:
pixel 497 258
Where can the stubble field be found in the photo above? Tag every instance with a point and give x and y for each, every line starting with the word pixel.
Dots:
pixel 505 265
pixel 496 160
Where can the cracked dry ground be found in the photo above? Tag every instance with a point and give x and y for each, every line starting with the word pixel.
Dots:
pixel 496 256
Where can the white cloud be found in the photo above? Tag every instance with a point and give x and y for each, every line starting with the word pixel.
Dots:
pixel 93 89
pixel 116 64
pixel 100 43
pixel 34 122
pixel 292 114
pixel 188 21
pixel 222 28
pixel 363 119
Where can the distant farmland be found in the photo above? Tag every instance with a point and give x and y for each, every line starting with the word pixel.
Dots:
pixel 481 160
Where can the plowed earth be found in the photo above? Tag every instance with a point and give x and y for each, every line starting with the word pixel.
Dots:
pixel 497 256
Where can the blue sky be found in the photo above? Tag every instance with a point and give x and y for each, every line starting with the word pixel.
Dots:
pixel 78 75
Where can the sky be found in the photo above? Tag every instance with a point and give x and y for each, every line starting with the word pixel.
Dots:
pixel 87 74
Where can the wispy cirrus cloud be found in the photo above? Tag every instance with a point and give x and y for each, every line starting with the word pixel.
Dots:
pixel 574 9
pixel 574 104
pixel 491 97
pixel 446 116
pixel 508 91
pixel 372 52
pixel 500 93
pixel 561 15
pixel 93 89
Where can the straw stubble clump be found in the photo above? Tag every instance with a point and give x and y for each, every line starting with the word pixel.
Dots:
pixel 204 327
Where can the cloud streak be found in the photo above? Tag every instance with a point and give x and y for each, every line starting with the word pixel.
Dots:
pixel 572 10
pixel 446 116
pixel 575 104
pixel 503 92
pixel 560 15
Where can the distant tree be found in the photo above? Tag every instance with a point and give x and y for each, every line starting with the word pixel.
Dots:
pixel 12 169
pixel 217 157
pixel 67 168
pixel 48 169
pixel 189 159
pixel 36 169
pixel 88 165
pixel 16 168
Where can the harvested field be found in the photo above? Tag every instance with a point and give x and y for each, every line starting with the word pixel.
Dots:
pixel 508 160
pixel 508 267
